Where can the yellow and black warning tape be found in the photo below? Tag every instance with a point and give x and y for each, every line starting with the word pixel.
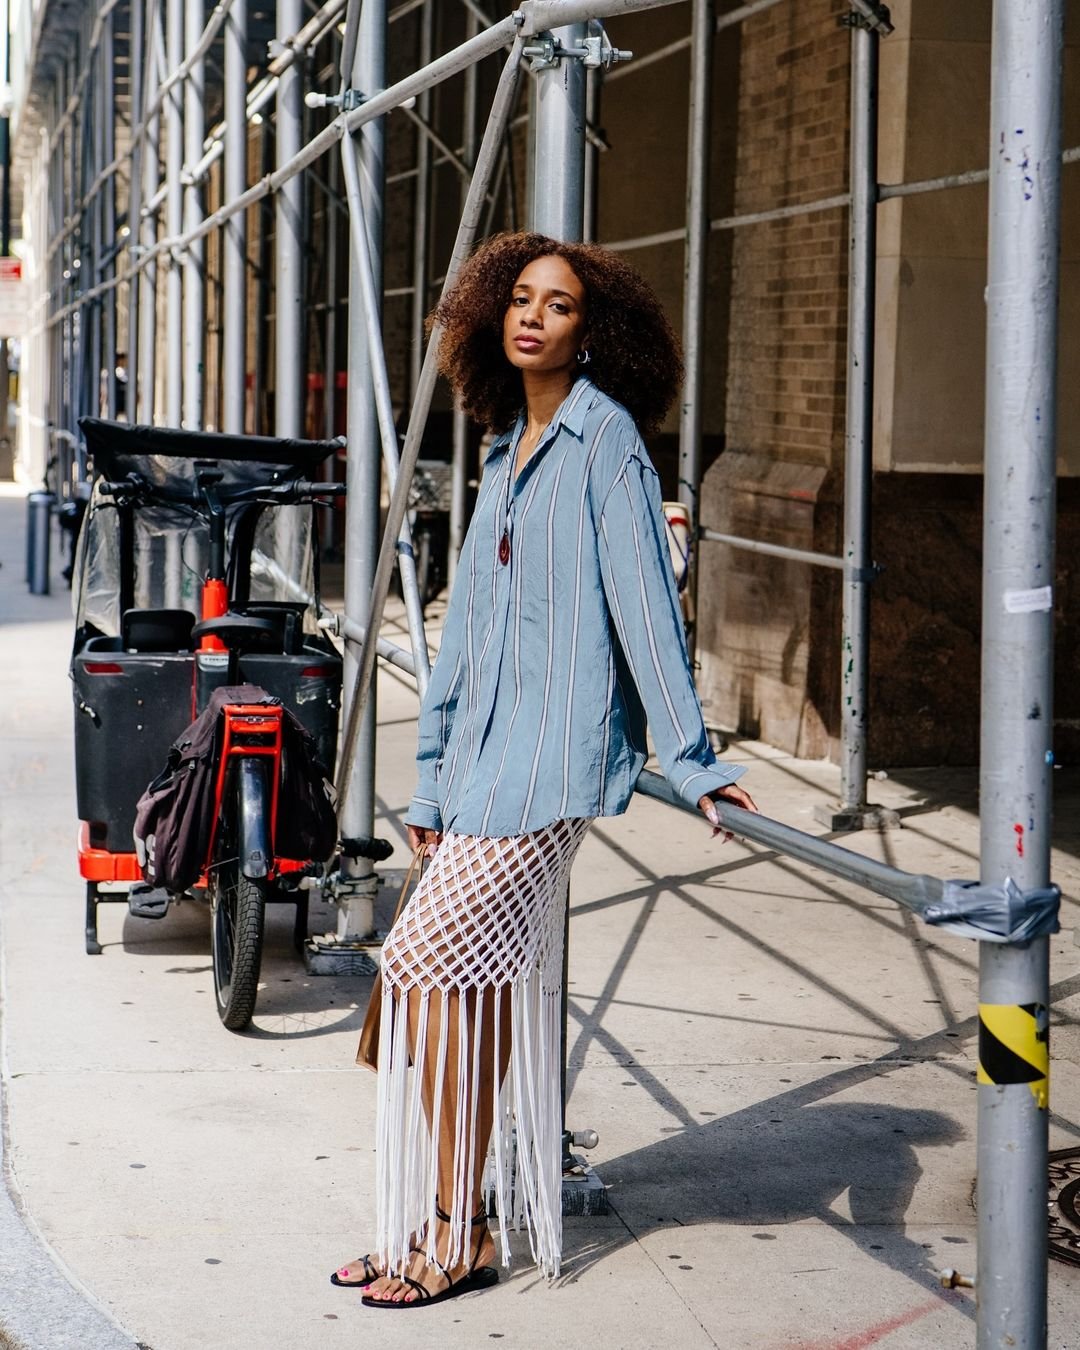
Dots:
pixel 1014 1047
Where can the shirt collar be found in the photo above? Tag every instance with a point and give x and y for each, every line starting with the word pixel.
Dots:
pixel 570 413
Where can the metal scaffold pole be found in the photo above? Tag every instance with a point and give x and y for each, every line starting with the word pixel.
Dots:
pixel 234 306
pixel 147 226
pixel 290 338
pixel 694 275
pixel 108 211
pixel 853 812
pixel 195 253
pixel 363 69
pixel 135 48
pixel 459 475
pixel 558 209
pixel 558 190
pixel 421 203
pixel 855 642
pixel 174 217
pixel 1016 758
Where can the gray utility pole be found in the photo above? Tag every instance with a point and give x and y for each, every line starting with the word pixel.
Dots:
pixel 363 70
pixel 853 812
pixel 694 264
pixel 1016 758
pixel 195 254
pixel 234 355
pixel 174 216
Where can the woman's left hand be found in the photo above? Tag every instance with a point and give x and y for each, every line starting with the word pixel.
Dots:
pixel 734 794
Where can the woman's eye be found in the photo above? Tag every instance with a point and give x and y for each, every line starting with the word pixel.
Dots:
pixel 519 300
pixel 559 308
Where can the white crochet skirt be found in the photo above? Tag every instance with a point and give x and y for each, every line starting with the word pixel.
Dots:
pixel 486 918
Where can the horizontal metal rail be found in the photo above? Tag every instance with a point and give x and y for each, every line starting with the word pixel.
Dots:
pixel 774 550
pixel 912 890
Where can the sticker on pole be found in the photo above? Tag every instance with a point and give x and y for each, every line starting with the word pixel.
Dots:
pixel 1014 1047
pixel 1035 601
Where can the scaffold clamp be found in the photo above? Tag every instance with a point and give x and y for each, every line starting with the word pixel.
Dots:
pixel 544 53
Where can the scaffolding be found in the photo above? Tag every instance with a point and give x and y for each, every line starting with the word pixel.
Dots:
pixel 163 237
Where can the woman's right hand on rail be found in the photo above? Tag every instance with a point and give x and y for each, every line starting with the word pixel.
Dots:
pixel 421 837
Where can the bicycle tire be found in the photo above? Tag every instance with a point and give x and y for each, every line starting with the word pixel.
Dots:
pixel 238 920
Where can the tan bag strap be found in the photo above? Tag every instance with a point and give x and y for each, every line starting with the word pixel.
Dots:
pixel 416 861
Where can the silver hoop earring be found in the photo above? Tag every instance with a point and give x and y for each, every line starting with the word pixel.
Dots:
pixel 584 357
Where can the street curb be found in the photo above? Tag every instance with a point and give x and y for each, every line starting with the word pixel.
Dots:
pixel 42 1306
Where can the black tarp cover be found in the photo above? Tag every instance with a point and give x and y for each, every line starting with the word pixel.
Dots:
pixel 120 448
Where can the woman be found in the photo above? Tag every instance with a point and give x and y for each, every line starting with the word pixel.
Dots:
pixel 563 632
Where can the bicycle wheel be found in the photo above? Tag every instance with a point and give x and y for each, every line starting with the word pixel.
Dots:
pixel 238 909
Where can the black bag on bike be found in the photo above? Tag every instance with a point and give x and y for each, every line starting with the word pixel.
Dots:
pixel 174 819
pixel 307 827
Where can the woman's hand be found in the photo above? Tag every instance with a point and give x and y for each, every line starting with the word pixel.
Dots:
pixel 732 793
pixel 429 840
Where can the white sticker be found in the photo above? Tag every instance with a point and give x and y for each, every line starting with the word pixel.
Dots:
pixel 1028 602
pixel 212 660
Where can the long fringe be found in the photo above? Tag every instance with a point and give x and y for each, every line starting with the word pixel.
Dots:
pixel 523 1161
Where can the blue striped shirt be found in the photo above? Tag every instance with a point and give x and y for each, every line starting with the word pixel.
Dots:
pixel 552 660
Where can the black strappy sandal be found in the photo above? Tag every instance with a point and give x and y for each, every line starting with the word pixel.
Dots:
pixel 369 1265
pixel 475 1279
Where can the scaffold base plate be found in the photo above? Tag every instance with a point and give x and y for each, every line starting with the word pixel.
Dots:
pixel 322 957
pixel 838 819
pixel 582 1190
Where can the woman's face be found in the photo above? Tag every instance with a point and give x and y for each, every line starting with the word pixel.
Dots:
pixel 544 327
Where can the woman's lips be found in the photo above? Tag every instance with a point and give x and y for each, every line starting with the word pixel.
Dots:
pixel 528 344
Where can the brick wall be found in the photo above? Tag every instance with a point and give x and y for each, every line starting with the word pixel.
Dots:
pixel 788 308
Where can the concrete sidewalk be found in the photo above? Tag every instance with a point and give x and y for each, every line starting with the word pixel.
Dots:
pixel 780 1069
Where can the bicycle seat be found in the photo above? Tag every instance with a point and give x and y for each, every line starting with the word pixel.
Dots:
pixel 241 632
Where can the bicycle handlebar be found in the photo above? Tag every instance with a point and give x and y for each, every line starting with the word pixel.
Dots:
pixel 297 492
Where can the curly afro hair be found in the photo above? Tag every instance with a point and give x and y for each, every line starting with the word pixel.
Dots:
pixel 635 355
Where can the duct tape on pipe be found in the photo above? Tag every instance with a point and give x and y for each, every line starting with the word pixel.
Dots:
pixel 995 913
pixel 1014 1047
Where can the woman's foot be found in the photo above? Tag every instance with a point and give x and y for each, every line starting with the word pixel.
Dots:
pixel 357 1274
pixel 433 1276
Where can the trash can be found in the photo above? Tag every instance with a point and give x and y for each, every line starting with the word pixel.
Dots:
pixel 39 507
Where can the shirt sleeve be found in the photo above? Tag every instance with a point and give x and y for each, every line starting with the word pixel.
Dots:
pixel 640 590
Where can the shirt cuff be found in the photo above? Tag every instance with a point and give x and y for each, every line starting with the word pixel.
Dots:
pixel 703 782
pixel 424 814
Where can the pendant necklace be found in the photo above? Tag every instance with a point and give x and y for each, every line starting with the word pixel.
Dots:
pixel 504 542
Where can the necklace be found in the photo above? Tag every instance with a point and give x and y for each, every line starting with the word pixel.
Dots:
pixel 504 542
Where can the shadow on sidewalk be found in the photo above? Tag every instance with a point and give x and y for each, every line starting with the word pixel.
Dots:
pixel 784 1161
